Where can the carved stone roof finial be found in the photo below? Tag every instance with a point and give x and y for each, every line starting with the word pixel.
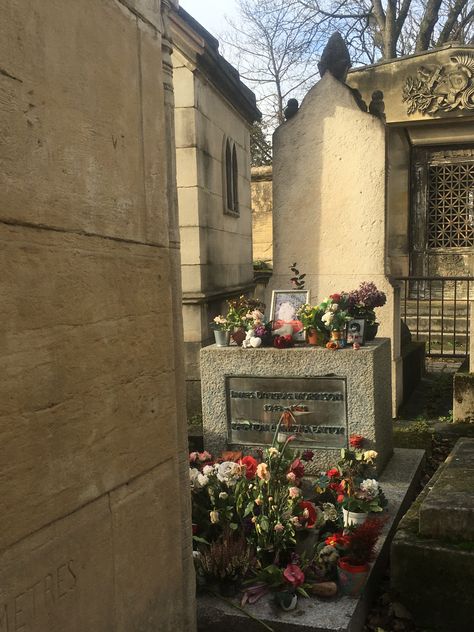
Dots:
pixel 291 109
pixel 335 58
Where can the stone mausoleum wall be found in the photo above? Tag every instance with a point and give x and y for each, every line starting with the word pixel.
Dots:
pixel 262 214
pixel 93 494
pixel 329 200
pixel 212 107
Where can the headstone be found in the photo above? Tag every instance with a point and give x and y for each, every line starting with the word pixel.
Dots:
pixel 325 397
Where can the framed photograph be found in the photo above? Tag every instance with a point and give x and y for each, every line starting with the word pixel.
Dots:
pixel 285 304
pixel 355 331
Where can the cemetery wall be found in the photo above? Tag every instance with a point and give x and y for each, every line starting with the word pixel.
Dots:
pixel 93 494
pixel 262 214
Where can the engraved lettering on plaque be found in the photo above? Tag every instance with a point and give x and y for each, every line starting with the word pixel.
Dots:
pixel 318 413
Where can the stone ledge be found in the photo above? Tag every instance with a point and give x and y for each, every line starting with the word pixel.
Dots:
pixel 448 510
pixel 344 614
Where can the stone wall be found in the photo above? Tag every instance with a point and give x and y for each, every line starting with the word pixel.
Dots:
pixel 329 200
pixel 262 214
pixel 216 250
pixel 95 529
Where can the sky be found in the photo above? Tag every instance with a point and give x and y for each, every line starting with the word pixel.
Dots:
pixel 210 13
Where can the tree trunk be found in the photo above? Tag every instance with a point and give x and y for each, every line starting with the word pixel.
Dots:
pixel 427 25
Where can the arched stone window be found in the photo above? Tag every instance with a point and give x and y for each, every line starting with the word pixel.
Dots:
pixel 231 179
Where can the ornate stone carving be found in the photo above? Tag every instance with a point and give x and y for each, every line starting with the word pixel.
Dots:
pixel 441 88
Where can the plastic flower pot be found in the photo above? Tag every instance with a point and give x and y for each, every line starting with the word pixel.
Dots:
pixel 286 600
pixel 222 338
pixel 353 517
pixel 370 331
pixel 351 578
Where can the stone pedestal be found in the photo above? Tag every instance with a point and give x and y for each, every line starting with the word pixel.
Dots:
pixel 366 394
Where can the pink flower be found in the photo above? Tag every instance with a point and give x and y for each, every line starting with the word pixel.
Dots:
pixel 291 477
pixel 262 471
pixel 297 468
pixel 279 527
pixel 294 575
pixel 204 456
pixel 294 492
pixel 193 457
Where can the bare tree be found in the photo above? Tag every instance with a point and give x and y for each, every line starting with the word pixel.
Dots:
pixel 276 50
pixel 390 28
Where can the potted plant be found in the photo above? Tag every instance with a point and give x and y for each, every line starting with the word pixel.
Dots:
pixel 310 316
pixel 359 550
pixel 221 327
pixel 240 316
pixel 366 498
pixel 334 318
pixel 362 305
pixel 226 562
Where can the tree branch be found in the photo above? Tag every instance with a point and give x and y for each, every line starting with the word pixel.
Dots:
pixel 427 25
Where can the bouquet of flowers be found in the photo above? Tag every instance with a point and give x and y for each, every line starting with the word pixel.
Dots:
pixel 334 312
pixel 363 302
pixel 311 317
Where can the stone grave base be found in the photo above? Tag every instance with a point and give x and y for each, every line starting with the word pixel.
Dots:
pixel 432 559
pixel 343 614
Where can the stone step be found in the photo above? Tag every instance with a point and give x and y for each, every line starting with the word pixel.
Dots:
pixel 445 325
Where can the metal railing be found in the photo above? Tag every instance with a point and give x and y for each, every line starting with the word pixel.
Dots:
pixel 436 311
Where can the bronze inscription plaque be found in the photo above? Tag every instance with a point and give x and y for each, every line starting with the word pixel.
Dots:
pixel 256 404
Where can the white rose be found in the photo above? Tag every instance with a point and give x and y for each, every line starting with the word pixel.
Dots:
pixel 370 487
pixel 328 318
pixel 334 307
pixel 207 470
pixel 202 480
pixel 228 472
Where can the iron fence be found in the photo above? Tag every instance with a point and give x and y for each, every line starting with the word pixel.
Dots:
pixel 436 311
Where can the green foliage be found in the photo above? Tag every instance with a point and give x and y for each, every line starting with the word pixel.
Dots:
pixel 260 147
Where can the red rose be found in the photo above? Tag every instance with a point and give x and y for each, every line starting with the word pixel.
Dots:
pixel 333 472
pixel 308 507
pixel 294 575
pixel 195 529
pixel 356 441
pixel 297 468
pixel 283 342
pixel 250 466
pixel 307 455
pixel 336 298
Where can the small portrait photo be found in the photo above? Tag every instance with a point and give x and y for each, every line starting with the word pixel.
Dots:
pixel 285 305
pixel 355 331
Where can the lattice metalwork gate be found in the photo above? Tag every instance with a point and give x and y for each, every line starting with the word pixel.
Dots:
pixel 450 208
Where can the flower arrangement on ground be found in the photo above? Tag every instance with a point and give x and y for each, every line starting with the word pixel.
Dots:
pixel 352 483
pixel 249 515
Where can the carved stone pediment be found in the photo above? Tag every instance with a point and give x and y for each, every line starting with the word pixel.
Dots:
pixel 441 88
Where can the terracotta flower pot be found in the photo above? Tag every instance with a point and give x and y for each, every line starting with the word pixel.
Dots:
pixel 353 517
pixel 312 336
pixel 351 578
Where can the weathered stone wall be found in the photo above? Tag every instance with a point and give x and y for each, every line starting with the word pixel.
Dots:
pixel 262 214
pixel 95 528
pixel 329 200
pixel 216 259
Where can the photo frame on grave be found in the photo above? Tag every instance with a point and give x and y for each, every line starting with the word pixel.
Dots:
pixel 284 306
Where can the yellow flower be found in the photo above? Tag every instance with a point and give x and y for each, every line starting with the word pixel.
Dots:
pixel 370 456
pixel 214 517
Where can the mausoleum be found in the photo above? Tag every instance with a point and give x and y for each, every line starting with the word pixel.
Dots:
pixel 373 179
